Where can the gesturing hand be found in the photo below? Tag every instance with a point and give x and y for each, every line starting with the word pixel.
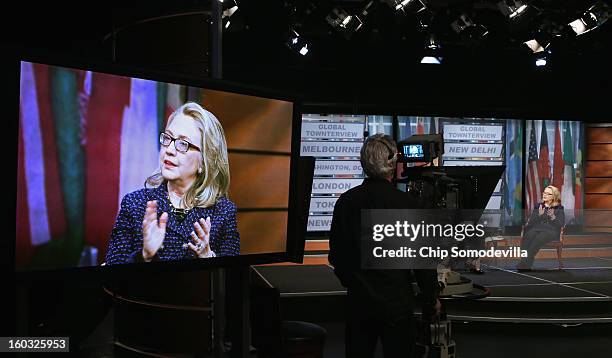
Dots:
pixel 541 210
pixel 153 231
pixel 201 239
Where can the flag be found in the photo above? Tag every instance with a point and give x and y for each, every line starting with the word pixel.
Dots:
pixel 84 140
pixel 139 158
pixel 433 126
pixel 71 155
pixel 110 96
pixel 533 190
pixel 513 192
pixel 24 247
pixel 558 164
pixel 544 163
pixel 569 182
pixel 32 214
pixel 405 133
pixel 509 174
pixel 408 129
pixel 174 99
pixel 84 91
pixel 518 167
pixel 41 223
pixel 420 126
pixel 579 161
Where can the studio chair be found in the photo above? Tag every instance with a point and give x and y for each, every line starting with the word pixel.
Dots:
pixel 302 339
pixel 556 244
pixel 275 338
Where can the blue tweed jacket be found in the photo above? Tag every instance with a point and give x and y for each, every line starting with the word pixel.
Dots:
pixel 126 240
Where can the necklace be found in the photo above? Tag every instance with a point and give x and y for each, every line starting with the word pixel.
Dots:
pixel 180 213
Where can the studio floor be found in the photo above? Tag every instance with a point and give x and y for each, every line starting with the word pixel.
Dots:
pixel 542 313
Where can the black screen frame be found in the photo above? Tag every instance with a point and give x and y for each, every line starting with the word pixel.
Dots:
pixel 294 245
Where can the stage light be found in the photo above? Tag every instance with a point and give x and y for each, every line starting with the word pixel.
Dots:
pixel 296 43
pixel 512 8
pixel 432 43
pixel 431 60
pixel 432 51
pixel 591 19
pixel 541 41
pixel 534 46
pixel 541 58
pixel 406 6
pixel 465 26
pixel 229 9
pixel 343 22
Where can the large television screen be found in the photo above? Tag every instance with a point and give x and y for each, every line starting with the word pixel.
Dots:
pixel 120 167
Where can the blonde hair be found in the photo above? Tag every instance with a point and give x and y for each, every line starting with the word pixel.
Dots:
pixel 556 194
pixel 214 180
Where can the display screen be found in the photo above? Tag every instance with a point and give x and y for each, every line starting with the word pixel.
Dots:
pixel 117 169
pixel 413 151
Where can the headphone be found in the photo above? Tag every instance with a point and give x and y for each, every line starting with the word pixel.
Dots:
pixel 386 141
pixel 392 151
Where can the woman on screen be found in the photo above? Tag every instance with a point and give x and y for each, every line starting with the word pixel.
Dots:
pixel 544 225
pixel 187 213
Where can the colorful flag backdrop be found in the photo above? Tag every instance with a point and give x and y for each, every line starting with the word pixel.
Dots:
pixel 85 140
pixel 560 165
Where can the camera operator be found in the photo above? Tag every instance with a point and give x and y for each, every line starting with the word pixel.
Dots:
pixel 379 302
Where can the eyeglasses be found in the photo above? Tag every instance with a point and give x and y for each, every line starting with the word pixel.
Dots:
pixel 181 145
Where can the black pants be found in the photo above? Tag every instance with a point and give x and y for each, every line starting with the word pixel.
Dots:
pixel 364 327
pixel 533 241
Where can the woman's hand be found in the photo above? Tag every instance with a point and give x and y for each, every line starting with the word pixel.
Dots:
pixel 201 239
pixel 541 210
pixel 153 231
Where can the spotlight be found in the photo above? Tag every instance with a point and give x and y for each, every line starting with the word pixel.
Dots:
pixel 297 43
pixel 431 60
pixel 464 25
pixel 541 58
pixel 229 9
pixel 535 46
pixel 345 23
pixel 432 51
pixel 432 43
pixel 594 17
pixel 406 6
pixel 512 8
pixel 541 41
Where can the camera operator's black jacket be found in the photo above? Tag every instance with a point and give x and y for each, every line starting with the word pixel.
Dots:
pixel 389 291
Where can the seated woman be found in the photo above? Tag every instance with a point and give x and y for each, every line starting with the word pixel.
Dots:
pixel 544 225
pixel 187 214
